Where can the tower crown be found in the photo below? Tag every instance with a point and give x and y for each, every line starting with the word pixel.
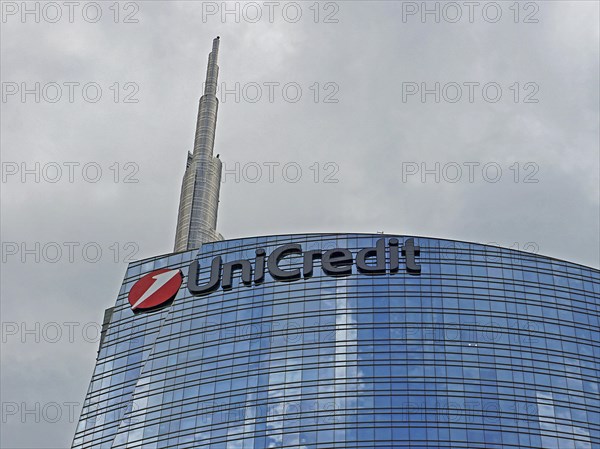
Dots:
pixel 199 200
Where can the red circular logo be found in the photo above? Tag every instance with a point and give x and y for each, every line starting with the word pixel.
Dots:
pixel 154 290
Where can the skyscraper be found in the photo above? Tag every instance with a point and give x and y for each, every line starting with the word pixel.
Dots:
pixel 199 200
pixel 315 341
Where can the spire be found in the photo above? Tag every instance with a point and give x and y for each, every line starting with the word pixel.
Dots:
pixel 212 71
pixel 199 201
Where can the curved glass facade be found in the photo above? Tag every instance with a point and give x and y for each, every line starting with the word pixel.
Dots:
pixel 486 348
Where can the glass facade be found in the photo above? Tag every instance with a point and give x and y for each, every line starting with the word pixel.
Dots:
pixel 486 348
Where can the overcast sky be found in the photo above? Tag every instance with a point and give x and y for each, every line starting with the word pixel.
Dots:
pixel 522 130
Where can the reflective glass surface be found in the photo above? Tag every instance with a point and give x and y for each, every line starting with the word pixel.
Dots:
pixel 486 348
